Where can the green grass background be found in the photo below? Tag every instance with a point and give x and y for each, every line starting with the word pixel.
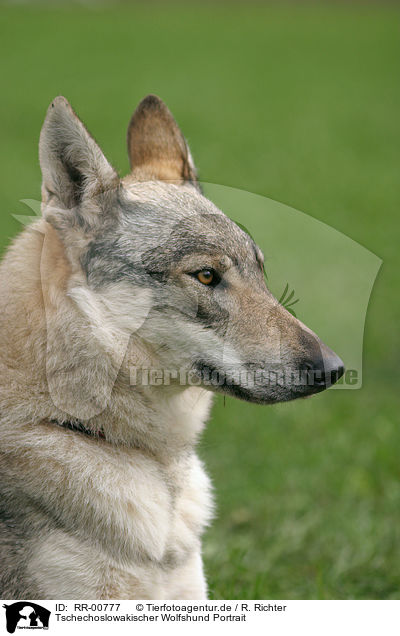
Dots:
pixel 299 103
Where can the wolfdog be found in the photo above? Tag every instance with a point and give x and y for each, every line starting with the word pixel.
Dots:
pixel 124 307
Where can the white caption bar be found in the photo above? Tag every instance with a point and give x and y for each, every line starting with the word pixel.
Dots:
pixel 173 617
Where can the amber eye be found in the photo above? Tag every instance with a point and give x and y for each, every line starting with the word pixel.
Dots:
pixel 205 276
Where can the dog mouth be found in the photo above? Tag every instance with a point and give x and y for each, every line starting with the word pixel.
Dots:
pixel 262 384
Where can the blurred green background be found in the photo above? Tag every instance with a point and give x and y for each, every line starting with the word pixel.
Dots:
pixel 299 103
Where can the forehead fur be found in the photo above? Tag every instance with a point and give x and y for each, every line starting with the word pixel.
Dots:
pixel 158 225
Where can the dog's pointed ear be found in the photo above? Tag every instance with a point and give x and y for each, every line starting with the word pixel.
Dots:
pixel 72 164
pixel 156 146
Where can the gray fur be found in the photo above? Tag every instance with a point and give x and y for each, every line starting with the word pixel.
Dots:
pixel 108 281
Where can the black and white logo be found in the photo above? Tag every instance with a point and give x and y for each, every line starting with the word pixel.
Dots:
pixel 26 615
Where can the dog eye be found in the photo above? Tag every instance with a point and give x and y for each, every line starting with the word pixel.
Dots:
pixel 206 276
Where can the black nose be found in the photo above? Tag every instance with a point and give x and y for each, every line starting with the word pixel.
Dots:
pixel 323 371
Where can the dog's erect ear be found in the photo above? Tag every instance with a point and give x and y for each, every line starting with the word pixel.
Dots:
pixel 156 146
pixel 73 166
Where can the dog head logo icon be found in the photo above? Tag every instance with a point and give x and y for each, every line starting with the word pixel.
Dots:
pixel 26 615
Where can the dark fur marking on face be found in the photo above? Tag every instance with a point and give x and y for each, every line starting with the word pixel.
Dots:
pixel 106 262
pixel 212 316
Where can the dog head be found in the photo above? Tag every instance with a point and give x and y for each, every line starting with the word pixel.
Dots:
pixel 156 267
